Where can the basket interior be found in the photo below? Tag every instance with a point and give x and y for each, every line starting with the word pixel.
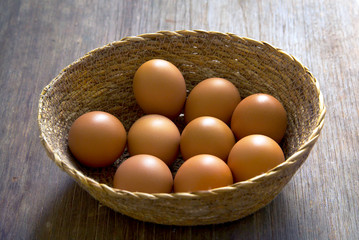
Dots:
pixel 102 80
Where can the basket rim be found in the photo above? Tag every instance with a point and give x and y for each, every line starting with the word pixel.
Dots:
pixel 78 175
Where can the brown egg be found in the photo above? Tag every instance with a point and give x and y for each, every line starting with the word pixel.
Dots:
pixel 159 88
pixel 259 114
pixel 143 173
pixel 206 135
pixel 97 139
pixel 254 155
pixel 215 97
pixel 155 135
pixel 202 172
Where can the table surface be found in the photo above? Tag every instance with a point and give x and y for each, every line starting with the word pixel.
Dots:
pixel 39 38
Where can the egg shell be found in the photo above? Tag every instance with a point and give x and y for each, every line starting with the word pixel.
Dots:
pixel 215 97
pixel 259 114
pixel 97 139
pixel 254 155
pixel 154 135
pixel 143 173
pixel 202 172
pixel 159 88
pixel 206 135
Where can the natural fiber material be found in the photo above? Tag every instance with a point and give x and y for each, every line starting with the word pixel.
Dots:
pixel 102 80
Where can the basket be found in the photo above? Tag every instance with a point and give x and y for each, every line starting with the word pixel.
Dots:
pixel 102 80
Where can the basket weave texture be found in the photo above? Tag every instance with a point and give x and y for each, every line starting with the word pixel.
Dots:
pixel 102 80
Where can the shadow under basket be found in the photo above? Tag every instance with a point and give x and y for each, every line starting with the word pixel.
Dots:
pixel 102 80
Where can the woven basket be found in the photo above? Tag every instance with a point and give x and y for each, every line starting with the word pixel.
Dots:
pixel 102 80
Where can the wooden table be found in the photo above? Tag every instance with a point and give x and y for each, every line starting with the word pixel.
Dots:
pixel 39 38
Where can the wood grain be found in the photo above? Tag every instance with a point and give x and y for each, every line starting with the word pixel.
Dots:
pixel 39 38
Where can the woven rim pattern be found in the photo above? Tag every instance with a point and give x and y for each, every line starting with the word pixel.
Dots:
pixel 101 80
